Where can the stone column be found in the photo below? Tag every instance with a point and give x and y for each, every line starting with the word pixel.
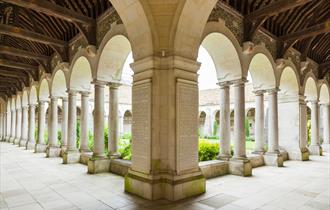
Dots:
pixel 224 121
pixel 64 128
pixel 31 140
pixel 1 126
pixel 259 123
pixel 13 126
pixel 24 134
pixel 314 147
pixel 72 155
pixel 8 125
pixel 273 156
pixel 326 127
pixel 84 122
pixel 53 147
pixel 113 120
pixel 40 146
pixel 18 125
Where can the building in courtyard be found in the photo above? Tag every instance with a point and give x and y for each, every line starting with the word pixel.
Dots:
pixel 144 88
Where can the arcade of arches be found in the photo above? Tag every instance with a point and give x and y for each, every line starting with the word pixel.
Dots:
pixel 71 70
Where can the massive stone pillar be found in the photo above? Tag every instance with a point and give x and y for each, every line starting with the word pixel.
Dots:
pixel 272 156
pixel 113 120
pixel 239 164
pixel 53 149
pixel 165 130
pixel 31 138
pixel 64 128
pixel 24 135
pixel 13 126
pixel 314 147
pixel 259 123
pixel 40 146
pixel 72 155
pixel 18 125
pixel 224 122
pixel 98 162
pixel 326 127
pixel 84 122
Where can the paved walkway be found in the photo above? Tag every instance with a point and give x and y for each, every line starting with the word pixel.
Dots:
pixel 30 181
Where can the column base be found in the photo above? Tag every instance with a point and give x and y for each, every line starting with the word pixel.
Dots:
pixel 98 165
pixel 84 150
pixel 22 143
pixel 326 147
pixel 39 148
pixel 273 159
pixel 53 151
pixel 16 141
pixel 258 152
pixel 302 155
pixel 63 149
pixel 224 157
pixel 71 156
pixel 164 186
pixel 315 150
pixel 30 145
pixel 11 139
pixel 240 167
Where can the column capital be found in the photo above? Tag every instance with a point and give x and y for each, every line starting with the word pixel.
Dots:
pixel 99 83
pixel 72 92
pixel 272 91
pixel 312 101
pixel 43 101
pixel 239 82
pixel 64 98
pixel 85 93
pixel 114 85
pixel 259 92
pixel 32 105
pixel 54 97
pixel 225 84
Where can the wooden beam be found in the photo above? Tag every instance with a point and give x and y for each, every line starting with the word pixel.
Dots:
pixel 85 24
pixel 17 65
pixel 22 53
pixel 30 35
pixel 276 8
pixel 308 32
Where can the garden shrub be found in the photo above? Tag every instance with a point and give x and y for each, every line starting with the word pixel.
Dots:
pixel 125 149
pixel 207 150
pixel 309 131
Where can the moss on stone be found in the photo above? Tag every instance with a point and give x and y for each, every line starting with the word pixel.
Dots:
pixel 195 187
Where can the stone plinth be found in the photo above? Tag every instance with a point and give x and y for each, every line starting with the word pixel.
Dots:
pixel 214 168
pixel 22 143
pixel 119 166
pixel 240 167
pixel 53 151
pixel 298 155
pixel 71 157
pixel 40 148
pixel 326 147
pixel 30 145
pixel 256 160
pixel 315 150
pixel 273 159
pixel 154 187
pixel 98 165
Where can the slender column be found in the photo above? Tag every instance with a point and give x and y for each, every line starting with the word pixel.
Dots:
pixel 72 121
pixel 18 124
pixel 315 138
pixel 13 125
pixel 113 119
pixel 1 126
pixel 24 125
pixel 273 146
pixel 41 122
pixel 224 121
pixel 8 125
pixel 31 140
pixel 239 120
pixel 84 122
pixel 98 119
pixel 259 122
pixel 326 124
pixel 64 135
pixel 52 133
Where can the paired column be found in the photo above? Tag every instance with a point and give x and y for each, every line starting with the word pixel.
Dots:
pixel 113 120
pixel 326 127
pixel 84 122
pixel 259 122
pixel 31 140
pixel 315 148
pixel 18 125
pixel 239 120
pixel 98 120
pixel 24 133
pixel 64 128
pixel 224 121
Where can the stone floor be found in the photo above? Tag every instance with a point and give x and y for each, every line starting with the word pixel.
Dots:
pixel 31 181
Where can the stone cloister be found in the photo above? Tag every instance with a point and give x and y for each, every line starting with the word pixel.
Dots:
pixel 75 58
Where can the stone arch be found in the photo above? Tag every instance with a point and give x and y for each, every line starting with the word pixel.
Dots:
pixel 13 103
pixel 33 96
pixel 80 74
pixel 127 121
pixel 18 101
pixel 137 26
pixel 310 87
pixel 59 84
pixel 201 122
pixel 261 68
pixel 112 56
pixel 289 82
pixel 324 93
pixel 225 56
pixel 187 36
pixel 44 90
pixel 25 98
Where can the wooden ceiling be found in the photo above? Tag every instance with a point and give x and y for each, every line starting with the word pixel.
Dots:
pixel 32 30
